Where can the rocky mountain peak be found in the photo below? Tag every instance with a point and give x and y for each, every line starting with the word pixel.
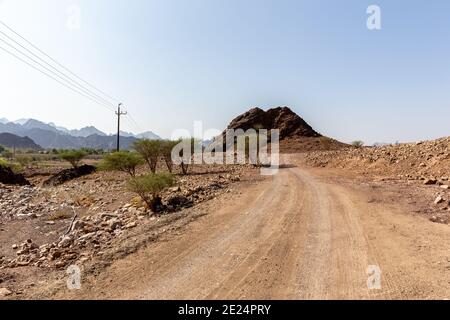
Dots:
pixel 288 122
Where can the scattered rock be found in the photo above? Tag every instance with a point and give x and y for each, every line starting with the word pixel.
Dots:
pixel 4 292
pixel 131 225
pixel 434 219
pixel 179 201
pixel 65 242
pixel 175 189
pixel 78 225
pixel 429 181
pixel 114 224
pixel 438 200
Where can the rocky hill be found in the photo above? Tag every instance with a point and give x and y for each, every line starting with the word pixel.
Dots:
pixel 282 118
pixel 296 135
pixel 10 140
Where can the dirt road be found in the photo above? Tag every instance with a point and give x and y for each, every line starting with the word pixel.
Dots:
pixel 293 236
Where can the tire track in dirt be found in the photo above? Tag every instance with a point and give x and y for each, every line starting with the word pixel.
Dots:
pixel 292 236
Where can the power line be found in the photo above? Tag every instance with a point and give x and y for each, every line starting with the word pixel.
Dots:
pixel 67 81
pixel 119 113
pixel 51 77
pixel 73 82
pixel 57 75
pixel 134 121
pixel 58 63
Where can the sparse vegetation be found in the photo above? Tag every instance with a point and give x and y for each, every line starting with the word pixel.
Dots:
pixel 24 161
pixel 149 187
pixel 358 144
pixel 166 152
pixel 84 200
pixel 185 164
pixel 326 142
pixel 7 154
pixel 150 151
pixel 4 163
pixel 14 166
pixel 74 157
pixel 59 215
pixel 122 161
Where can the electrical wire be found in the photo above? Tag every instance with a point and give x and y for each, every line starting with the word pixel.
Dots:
pixel 51 77
pixel 57 75
pixel 58 63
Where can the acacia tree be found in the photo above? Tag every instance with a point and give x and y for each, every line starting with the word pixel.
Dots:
pixel 74 157
pixel 122 161
pixel 149 187
pixel 150 151
pixel 166 152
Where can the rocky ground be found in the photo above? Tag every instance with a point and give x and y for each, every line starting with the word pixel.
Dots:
pixel 419 172
pixel 92 220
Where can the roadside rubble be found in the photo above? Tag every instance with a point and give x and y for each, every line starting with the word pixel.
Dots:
pixel 428 161
pixel 99 219
pixel 423 166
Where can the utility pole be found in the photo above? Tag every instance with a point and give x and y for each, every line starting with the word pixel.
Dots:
pixel 119 113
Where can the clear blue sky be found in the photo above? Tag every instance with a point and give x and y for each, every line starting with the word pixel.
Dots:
pixel 173 62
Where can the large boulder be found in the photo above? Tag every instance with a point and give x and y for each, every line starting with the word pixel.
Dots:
pixel 69 174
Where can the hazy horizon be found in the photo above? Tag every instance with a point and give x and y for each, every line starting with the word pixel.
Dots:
pixel 175 62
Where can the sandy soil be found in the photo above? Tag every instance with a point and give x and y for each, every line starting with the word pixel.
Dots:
pixel 296 235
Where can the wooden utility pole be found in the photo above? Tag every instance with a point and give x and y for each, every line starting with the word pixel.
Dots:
pixel 119 113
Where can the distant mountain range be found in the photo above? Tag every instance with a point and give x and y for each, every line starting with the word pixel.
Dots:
pixel 49 135
pixel 12 141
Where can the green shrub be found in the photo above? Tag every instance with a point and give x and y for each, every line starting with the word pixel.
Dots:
pixel 148 187
pixel 150 151
pixel 4 163
pixel 14 166
pixel 122 161
pixel 73 156
pixel 358 144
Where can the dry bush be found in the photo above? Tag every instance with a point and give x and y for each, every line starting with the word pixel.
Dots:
pixel 149 187
pixel 59 215
pixel 358 144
